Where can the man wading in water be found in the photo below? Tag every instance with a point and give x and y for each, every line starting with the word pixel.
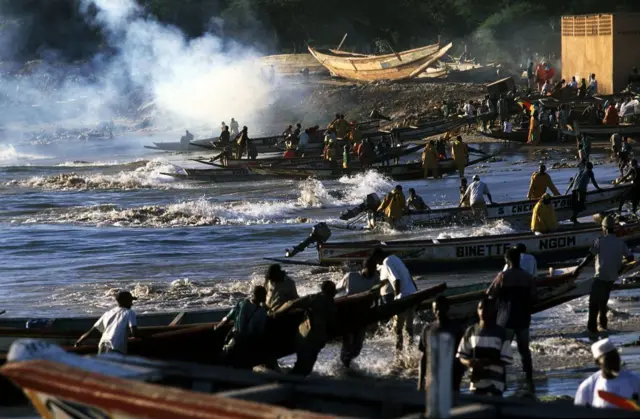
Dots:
pixel 608 251
pixel 115 325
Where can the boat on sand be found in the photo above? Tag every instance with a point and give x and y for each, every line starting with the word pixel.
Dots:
pixel 396 66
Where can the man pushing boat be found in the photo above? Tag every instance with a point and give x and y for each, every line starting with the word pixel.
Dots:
pixel 540 182
pixel 115 326
pixel 475 192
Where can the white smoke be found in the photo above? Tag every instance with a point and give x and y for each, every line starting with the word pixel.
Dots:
pixel 179 82
pixel 196 81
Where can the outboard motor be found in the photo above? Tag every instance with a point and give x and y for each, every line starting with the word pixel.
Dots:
pixel 320 233
pixel 371 203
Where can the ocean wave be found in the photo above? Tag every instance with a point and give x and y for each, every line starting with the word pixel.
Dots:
pixel 9 156
pixel 198 212
pixel 314 193
pixel 148 176
pixel 110 163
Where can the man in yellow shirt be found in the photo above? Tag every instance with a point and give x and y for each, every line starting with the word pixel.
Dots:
pixel 430 160
pixel 540 181
pixel 544 218
pixel 394 205
pixel 460 154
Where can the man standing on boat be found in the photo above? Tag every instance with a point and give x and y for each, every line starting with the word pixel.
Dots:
pixel 543 219
pixel 579 187
pixel 400 285
pixel 249 318
pixel 460 154
pixel 443 324
pixel 355 283
pixel 115 326
pixel 515 292
pixel 486 351
pixel 610 378
pixel 242 141
pixel 476 192
pixel 608 251
pixel 540 181
pixel 634 194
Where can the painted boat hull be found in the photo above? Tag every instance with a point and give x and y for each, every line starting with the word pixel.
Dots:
pixel 476 252
pixel 518 212
pixel 398 66
pixel 603 131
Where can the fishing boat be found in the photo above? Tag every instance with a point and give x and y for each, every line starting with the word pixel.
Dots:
pixel 238 174
pixel 429 129
pixel 291 64
pixel 195 145
pixel 406 171
pixel 394 152
pixel 602 131
pixel 518 212
pixel 395 66
pixel 205 342
pixel 61 385
pixel 441 254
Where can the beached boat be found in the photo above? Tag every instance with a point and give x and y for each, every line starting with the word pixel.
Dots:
pixel 476 252
pixel 291 64
pixel 427 130
pixel 406 171
pixel 395 66
pixel 518 212
pixel 602 131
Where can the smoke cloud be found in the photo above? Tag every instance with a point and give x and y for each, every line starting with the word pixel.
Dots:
pixel 187 82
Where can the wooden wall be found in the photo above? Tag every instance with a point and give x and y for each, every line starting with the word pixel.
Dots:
pixel 587 47
pixel 626 47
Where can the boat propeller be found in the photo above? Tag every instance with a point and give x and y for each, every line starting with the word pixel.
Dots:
pixel 320 233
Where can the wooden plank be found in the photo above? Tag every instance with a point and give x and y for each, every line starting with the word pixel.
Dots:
pixel 176 320
pixel 268 393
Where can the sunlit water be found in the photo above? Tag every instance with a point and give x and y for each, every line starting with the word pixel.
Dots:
pixel 79 219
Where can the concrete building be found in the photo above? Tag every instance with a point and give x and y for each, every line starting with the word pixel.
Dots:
pixel 607 45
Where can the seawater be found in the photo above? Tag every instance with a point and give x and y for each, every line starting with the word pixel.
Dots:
pixel 81 219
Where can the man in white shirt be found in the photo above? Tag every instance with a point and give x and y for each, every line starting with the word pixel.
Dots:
pixel 115 326
pixel 528 263
pixel 593 85
pixel 611 378
pixel 303 141
pixel 475 192
pixel 573 83
pixel 400 284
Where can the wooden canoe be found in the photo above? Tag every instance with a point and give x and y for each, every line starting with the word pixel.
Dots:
pixel 603 131
pixel 518 212
pixel 238 174
pixel 475 252
pixel 203 344
pixel 406 171
pixel 397 66
pixel 292 64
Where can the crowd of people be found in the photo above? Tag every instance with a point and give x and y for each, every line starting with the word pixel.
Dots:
pixel 483 348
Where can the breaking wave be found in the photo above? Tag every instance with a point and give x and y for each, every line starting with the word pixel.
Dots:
pixel 199 212
pixel 148 176
pixel 314 193
pixel 9 156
